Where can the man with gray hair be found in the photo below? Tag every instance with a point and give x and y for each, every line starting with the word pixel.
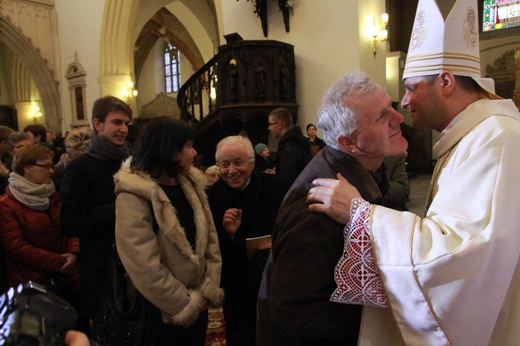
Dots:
pixel 244 204
pixel 360 128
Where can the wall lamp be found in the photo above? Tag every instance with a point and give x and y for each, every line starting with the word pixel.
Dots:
pixel 379 32
pixel 128 92
pixel 35 113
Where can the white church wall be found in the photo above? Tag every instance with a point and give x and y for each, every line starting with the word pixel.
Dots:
pixel 151 80
pixel 79 26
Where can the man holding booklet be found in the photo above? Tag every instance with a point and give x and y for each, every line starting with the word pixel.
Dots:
pixel 244 204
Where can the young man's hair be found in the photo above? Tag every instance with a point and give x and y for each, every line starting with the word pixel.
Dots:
pixel 37 130
pixel 108 104
pixel 282 115
pixel 157 145
pixel 29 155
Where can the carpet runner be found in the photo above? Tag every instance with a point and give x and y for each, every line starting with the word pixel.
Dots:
pixel 216 334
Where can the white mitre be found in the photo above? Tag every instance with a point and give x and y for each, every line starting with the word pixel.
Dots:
pixel 451 45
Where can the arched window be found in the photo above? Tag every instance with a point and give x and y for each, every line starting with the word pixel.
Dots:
pixel 171 68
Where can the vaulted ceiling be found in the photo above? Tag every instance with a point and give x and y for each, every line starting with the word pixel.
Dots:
pixel 168 27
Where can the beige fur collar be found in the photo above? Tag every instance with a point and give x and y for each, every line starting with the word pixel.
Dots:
pixel 192 183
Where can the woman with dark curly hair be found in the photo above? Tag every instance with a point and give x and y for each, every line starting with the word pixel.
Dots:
pixel 165 235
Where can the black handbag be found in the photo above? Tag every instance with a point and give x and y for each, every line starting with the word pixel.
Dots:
pixel 56 283
pixel 121 317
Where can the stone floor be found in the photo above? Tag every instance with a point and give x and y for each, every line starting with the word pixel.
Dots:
pixel 418 190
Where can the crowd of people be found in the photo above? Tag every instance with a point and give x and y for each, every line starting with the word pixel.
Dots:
pixel 313 246
pixel 183 234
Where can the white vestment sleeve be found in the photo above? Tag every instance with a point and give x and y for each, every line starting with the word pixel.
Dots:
pixel 447 276
pixel 355 274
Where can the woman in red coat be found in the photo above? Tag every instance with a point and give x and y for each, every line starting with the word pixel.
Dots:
pixel 30 219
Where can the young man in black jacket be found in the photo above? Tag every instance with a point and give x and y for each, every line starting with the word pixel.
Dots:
pixel 87 188
pixel 294 151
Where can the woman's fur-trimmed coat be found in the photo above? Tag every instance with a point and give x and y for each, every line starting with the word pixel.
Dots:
pixel 164 268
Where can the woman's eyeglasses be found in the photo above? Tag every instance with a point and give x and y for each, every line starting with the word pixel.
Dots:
pixel 47 167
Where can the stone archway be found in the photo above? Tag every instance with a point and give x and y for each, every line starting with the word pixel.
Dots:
pixel 118 47
pixel 40 73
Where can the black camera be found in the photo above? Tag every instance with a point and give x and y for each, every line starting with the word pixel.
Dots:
pixel 30 315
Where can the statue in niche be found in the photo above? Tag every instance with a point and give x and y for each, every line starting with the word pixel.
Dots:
pixel 284 82
pixel 260 80
pixel 233 80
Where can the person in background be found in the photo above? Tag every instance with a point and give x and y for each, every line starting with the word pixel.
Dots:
pixel 76 143
pixel 451 277
pixel 5 156
pixel 13 144
pixel 87 188
pixel 16 141
pixel 5 131
pixel 399 192
pixel 244 204
pixel 5 168
pixel 29 214
pixel 294 151
pixel 49 138
pixel 212 175
pixel 263 162
pixel 39 133
pixel 316 143
pixel 176 264
pixel 294 308
pixel 57 145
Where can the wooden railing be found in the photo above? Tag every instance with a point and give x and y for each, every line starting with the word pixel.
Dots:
pixel 195 98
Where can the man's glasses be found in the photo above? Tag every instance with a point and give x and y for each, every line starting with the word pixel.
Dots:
pixel 47 167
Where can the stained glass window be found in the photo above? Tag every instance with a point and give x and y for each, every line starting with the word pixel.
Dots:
pixel 171 68
pixel 500 14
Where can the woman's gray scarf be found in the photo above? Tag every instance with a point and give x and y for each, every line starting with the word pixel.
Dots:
pixel 102 149
pixel 33 196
